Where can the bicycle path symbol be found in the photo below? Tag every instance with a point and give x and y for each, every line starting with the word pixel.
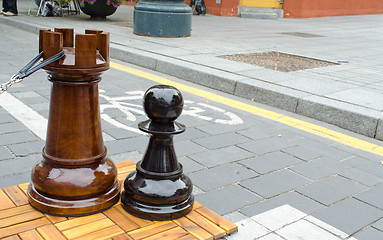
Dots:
pixel 131 110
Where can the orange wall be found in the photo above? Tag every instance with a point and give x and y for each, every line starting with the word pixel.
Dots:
pixel 225 8
pixel 322 8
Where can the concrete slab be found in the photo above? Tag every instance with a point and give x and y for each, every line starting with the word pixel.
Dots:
pixel 325 192
pixel 275 183
pixel 340 216
pixel 271 162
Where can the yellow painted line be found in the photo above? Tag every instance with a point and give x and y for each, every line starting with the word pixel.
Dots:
pixel 261 3
pixel 293 122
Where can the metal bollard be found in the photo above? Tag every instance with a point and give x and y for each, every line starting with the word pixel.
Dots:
pixel 162 18
pixel 158 189
pixel 75 177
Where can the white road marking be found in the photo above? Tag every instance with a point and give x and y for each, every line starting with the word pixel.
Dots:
pixel 29 117
pixel 194 112
pixel 120 125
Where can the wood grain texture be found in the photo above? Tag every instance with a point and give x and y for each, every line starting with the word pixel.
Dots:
pixel 193 229
pixel 217 219
pixel 121 219
pixel 171 234
pixel 30 235
pixel 24 222
pixel 17 196
pixel 151 229
pixel 206 224
pixel 24 217
pixel 86 229
pixel 22 227
pixel 24 187
pixel 50 232
pixel 5 201
pixel 55 219
pixel 15 211
pixel 138 221
pixel 14 237
pixel 123 236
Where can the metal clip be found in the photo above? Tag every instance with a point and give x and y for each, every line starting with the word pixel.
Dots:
pixel 29 69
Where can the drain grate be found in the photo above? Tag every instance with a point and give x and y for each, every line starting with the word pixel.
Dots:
pixel 279 61
pixel 301 34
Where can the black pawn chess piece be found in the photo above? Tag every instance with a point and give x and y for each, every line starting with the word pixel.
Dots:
pixel 158 189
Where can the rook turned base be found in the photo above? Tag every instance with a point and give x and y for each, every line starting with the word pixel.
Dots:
pixel 73 190
pixel 72 207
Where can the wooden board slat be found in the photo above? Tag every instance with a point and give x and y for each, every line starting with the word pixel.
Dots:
pixel 5 201
pixel 188 237
pixel 123 236
pixel 124 164
pixel 193 229
pixel 24 217
pixel 88 228
pixel 102 234
pixel 171 234
pixel 22 227
pixel 121 219
pixel 14 237
pixel 17 196
pixel 15 211
pixel 50 232
pixel 24 187
pixel 139 221
pixel 206 224
pixel 30 235
pixel 121 177
pixel 126 169
pixel 55 219
pixel 62 226
pixel 217 219
pixel 151 229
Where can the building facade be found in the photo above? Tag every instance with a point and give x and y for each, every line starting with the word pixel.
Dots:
pixel 294 8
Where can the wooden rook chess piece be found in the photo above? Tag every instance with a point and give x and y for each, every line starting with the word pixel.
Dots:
pixel 74 177
pixel 158 189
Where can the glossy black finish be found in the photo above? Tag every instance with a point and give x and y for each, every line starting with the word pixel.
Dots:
pixel 158 189
pixel 163 103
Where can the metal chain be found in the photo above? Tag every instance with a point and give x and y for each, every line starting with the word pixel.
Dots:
pixel 14 79
pixel 29 69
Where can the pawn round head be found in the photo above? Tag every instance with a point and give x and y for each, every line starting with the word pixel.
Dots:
pixel 163 103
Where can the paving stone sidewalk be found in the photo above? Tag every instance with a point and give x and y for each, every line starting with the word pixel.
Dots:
pixel 348 94
pixel 275 181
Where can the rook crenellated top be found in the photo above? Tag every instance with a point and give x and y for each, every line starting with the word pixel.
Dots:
pixel 84 53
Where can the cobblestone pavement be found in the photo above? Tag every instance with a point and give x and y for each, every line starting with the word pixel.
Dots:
pixel 276 178
pixel 348 94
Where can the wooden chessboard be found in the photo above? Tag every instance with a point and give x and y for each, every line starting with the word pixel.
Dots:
pixel 18 220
